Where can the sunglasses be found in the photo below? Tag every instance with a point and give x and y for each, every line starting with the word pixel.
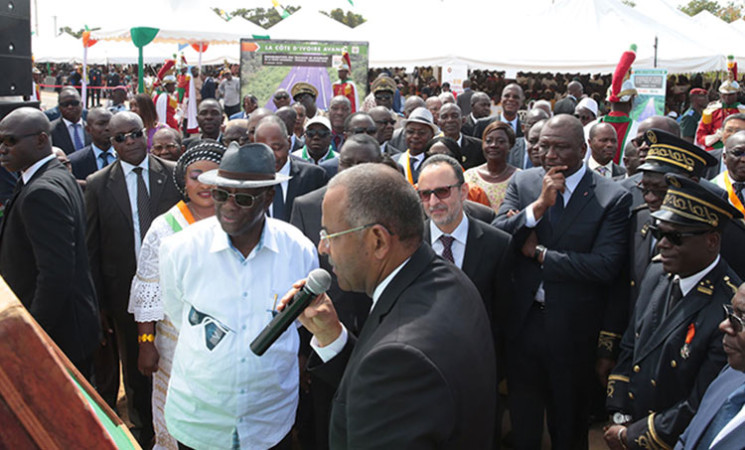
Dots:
pixel 441 192
pixel 69 103
pixel 121 137
pixel 674 237
pixel 242 200
pixel 738 323
pixel 9 140
pixel 320 133
pixel 364 130
pixel 281 96
pixel 386 122
pixel 638 141
pixel 383 96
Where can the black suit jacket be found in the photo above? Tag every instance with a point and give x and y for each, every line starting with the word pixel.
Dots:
pixel 719 389
pixel 110 235
pixel 61 137
pixel 481 124
pixel 487 263
pixel 479 211
pixel 464 101
pixel 657 379
pixel 618 173
pixel 516 156
pixel 398 139
pixel 305 178
pixel 422 373
pixel 83 162
pixel 467 127
pixel 44 260
pixel 390 150
pixel 585 254
pixel 471 154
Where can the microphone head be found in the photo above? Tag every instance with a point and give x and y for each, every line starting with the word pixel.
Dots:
pixel 318 282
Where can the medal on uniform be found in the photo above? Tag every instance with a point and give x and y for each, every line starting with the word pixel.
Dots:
pixel 685 351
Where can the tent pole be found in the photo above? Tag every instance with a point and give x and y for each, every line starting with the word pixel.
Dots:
pixel 655 52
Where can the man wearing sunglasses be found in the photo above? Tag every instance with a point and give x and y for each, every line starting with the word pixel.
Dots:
pixel 42 243
pixel 227 273
pixel 720 422
pixel 317 141
pixel 306 94
pixel 281 98
pixel 385 122
pixel 68 131
pixel 732 180
pixel 121 201
pixel 672 349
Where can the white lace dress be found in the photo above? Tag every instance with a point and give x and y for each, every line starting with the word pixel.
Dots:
pixel 146 305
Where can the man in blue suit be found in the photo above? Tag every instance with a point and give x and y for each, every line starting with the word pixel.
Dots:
pixel 720 420
pixel 100 153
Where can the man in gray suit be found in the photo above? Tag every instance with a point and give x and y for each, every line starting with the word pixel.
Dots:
pixel 571 226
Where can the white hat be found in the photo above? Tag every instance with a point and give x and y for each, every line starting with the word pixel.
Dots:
pixel 423 116
pixel 589 104
pixel 318 119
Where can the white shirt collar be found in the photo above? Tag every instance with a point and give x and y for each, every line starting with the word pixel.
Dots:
pixel 68 123
pixel 512 122
pixel 127 167
pixel 221 240
pixel 285 170
pixel 384 284
pixel 459 234
pixel 97 151
pixel 593 165
pixel 29 173
pixel 573 180
pixel 689 282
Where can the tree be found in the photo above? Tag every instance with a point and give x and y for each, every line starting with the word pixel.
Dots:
pixel 264 18
pixel 628 3
pixel 349 19
pixel 729 13
pixel 76 34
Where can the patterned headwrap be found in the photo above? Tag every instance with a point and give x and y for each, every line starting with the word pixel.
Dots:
pixel 206 150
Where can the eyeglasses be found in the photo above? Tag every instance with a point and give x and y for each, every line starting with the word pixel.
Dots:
pixel 441 192
pixel 69 103
pixel 674 237
pixel 320 133
pixel 281 96
pixel 9 140
pixel 386 122
pixel 656 192
pixel 738 323
pixel 325 237
pixel 370 131
pixel 639 140
pixel 121 137
pixel 240 199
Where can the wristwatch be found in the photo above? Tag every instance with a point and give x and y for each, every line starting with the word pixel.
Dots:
pixel 620 418
pixel 538 250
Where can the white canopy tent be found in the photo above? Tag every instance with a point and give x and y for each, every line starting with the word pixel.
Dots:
pixel 727 40
pixel 309 24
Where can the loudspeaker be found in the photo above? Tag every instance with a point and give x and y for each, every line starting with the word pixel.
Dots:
pixel 15 47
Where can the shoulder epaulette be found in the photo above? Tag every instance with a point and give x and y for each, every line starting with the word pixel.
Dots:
pixel 728 282
pixel 638 208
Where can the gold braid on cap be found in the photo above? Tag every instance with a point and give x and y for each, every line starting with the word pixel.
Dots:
pixel 693 208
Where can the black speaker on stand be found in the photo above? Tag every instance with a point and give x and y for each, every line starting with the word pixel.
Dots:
pixel 15 47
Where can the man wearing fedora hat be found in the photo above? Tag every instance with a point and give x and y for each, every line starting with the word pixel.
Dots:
pixel 419 128
pixel 220 282
pixel 672 349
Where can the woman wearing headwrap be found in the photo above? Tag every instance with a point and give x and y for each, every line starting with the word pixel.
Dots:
pixel 156 334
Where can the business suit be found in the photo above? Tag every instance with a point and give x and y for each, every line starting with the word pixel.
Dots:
pixel 305 178
pixel 390 150
pixel 471 154
pixel 44 261
pixel 516 156
pixel 409 380
pixel 464 101
pixel 398 139
pixel 481 124
pixel 585 253
pixel 416 166
pixel 111 247
pixel 352 309
pixel 719 389
pixel 83 162
pixel 656 371
pixel 468 125
pixel 61 137
pixel 479 211
pixel 618 172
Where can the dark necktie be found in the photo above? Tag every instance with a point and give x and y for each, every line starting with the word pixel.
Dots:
pixel 602 170
pixel 675 294
pixel 338 139
pixel 76 136
pixel 738 186
pixel 278 205
pixel 556 211
pixel 143 203
pixel 726 413
pixel 104 157
pixel 447 247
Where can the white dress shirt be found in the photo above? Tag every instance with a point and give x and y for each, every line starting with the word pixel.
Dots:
pixel 131 178
pixel 593 165
pixel 460 234
pixel 207 284
pixel 328 352
pixel 29 173
pixel 285 170
pixel 71 131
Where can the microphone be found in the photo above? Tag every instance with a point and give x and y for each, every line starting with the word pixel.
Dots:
pixel 318 282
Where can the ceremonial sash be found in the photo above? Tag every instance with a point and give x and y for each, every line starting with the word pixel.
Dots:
pixel 304 154
pixel 732 194
pixel 622 124
pixel 174 223
pixel 407 168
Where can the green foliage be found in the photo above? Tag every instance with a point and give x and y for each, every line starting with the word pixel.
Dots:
pixel 729 13
pixel 76 34
pixel 628 3
pixel 349 19
pixel 263 17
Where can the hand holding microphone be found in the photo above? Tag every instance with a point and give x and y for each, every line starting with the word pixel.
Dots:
pixel 320 319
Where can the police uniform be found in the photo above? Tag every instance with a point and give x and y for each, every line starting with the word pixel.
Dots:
pixel 673 349
pixel 302 87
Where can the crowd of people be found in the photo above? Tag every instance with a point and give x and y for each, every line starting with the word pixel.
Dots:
pixel 590 262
